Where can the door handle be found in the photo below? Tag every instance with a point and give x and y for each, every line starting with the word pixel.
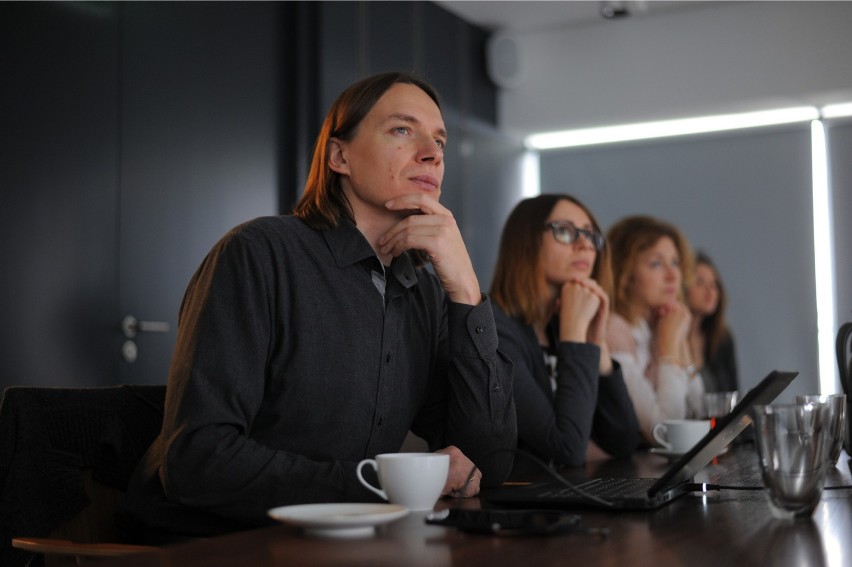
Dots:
pixel 131 326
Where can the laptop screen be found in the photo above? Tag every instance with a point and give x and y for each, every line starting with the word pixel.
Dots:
pixel 727 428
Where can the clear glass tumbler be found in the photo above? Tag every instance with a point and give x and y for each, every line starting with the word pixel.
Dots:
pixel 792 445
pixel 718 404
pixel 837 410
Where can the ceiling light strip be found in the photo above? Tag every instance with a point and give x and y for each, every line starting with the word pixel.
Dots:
pixel 837 110
pixel 668 128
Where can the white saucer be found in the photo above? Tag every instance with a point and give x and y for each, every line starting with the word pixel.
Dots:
pixel 338 520
pixel 675 455
pixel 667 453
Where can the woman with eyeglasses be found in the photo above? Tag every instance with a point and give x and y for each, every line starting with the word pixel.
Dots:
pixel 649 325
pixel 551 306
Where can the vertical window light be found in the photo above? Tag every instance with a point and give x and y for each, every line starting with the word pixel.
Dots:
pixel 823 259
pixel 531 184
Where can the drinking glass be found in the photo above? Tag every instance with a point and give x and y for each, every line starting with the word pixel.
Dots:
pixel 718 404
pixel 837 416
pixel 792 446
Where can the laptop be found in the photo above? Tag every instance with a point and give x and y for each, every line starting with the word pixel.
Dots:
pixel 647 493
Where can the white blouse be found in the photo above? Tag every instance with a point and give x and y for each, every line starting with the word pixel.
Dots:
pixel 658 392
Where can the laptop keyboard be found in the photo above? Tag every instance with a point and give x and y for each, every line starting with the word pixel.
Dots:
pixel 610 488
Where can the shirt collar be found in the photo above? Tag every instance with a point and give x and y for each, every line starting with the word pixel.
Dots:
pixel 349 246
pixel 403 270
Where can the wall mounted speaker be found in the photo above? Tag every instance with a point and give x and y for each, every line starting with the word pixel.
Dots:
pixel 504 60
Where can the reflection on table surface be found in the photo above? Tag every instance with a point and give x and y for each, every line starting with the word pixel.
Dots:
pixel 727 527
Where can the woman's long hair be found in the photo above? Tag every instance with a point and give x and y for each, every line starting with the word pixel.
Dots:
pixel 518 285
pixel 714 327
pixel 627 239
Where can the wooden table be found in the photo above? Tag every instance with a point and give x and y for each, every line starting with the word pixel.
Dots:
pixel 717 529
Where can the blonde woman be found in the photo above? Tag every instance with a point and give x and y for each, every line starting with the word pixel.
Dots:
pixel 648 328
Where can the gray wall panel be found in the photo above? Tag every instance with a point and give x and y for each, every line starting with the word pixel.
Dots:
pixel 840 147
pixel 744 198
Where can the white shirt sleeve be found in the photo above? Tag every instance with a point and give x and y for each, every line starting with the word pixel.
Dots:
pixel 656 398
pixel 695 398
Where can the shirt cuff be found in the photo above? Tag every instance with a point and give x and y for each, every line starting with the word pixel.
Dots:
pixel 473 328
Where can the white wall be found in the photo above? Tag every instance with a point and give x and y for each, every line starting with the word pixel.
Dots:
pixel 712 58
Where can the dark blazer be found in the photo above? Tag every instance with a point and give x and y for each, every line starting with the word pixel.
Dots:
pixel 558 426
pixel 720 371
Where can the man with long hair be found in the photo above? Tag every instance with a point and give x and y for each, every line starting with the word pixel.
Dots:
pixel 311 341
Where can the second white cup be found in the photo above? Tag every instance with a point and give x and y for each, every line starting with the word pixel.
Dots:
pixel 413 480
pixel 680 435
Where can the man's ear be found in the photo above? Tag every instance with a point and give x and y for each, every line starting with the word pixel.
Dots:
pixel 337 156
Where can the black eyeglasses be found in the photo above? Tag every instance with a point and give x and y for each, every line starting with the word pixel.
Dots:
pixel 566 233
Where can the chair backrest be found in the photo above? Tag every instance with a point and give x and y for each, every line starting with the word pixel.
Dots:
pixel 844 365
pixel 66 458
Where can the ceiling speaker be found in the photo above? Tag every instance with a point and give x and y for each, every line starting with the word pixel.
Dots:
pixel 504 61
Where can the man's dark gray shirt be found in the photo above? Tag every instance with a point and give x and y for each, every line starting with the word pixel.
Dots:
pixel 290 367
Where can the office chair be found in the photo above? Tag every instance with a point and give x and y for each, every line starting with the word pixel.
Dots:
pixel 66 458
pixel 844 364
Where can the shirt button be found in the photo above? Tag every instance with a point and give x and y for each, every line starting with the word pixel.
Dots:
pixel 381 420
pixel 387 357
pixel 496 387
pixel 480 329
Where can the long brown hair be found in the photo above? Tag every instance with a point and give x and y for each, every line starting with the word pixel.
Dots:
pixel 714 327
pixel 323 202
pixel 517 283
pixel 627 239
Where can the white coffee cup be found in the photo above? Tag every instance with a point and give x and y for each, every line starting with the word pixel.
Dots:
pixel 413 480
pixel 680 435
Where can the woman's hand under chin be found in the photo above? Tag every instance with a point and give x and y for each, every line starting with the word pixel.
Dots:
pixel 578 306
pixel 672 327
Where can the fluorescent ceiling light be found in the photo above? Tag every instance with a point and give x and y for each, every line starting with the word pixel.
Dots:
pixel 837 110
pixel 666 128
